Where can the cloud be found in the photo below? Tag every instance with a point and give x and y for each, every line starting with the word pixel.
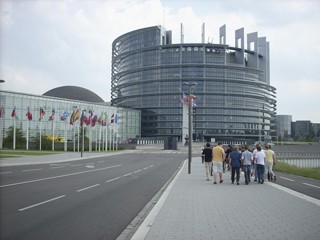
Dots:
pixel 68 42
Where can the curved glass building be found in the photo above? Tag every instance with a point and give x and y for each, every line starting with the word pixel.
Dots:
pixel 234 98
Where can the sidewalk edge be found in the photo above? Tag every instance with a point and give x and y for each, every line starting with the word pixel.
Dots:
pixel 141 224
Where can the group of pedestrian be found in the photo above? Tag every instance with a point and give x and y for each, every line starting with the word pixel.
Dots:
pixel 258 163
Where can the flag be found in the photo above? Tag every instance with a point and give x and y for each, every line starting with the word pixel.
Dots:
pixel 112 118
pixel 82 118
pixel 1 111
pixel 64 116
pixel 53 112
pixel 116 119
pixel 74 116
pixel 42 113
pixel 94 120
pixel 13 113
pixel 100 119
pixel 29 114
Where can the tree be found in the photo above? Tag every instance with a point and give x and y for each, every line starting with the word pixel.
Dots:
pixel 20 139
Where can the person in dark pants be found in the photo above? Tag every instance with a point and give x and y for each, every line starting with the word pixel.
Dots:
pixel 226 161
pixel 235 161
pixel 246 161
pixel 207 153
pixel 261 159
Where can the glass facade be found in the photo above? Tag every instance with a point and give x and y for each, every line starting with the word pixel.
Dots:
pixel 234 97
pixel 15 108
pixel 284 127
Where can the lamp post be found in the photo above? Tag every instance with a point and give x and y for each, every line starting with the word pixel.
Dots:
pixel 190 85
pixel 1 138
pixel 82 132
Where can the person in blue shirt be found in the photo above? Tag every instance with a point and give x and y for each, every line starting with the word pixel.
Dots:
pixel 235 161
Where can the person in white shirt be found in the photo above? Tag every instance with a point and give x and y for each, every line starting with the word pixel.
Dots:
pixel 260 157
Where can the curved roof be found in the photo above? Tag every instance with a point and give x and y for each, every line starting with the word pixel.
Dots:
pixel 74 93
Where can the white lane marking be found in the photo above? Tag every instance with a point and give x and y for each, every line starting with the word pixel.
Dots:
pixel 113 179
pixel 145 168
pixel 35 205
pixel 60 176
pixel 288 179
pixel 137 171
pixel 90 166
pixel 57 167
pixel 151 166
pixel 75 165
pixel 32 170
pixel 296 194
pixel 59 164
pixel 5 172
pixel 80 190
pixel 128 174
pixel 311 185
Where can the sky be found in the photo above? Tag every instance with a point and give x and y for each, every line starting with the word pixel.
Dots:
pixel 46 44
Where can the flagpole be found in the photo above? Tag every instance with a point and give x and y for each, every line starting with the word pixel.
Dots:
pixel 27 143
pixel 110 138
pixel 99 137
pixel 79 138
pixel 65 136
pixel 74 138
pixel 90 138
pixel 113 137
pixel 14 132
pixel 106 138
pixel 96 132
pixel 1 135
pixel 52 134
pixel 40 134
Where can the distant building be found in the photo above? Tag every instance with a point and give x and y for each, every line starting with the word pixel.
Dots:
pixel 234 98
pixel 283 126
pixel 301 128
pixel 316 129
pixel 51 115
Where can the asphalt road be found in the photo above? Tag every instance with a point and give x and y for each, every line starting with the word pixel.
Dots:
pixel 95 198
pixel 307 186
pixel 88 199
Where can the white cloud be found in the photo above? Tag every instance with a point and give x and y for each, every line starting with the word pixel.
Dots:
pixel 69 42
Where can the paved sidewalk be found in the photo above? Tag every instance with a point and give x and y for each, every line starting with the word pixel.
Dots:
pixel 193 208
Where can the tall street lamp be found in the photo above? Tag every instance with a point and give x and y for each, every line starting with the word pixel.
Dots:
pixel 190 100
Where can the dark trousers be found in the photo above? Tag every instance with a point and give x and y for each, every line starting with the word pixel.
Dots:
pixel 247 173
pixel 260 170
pixel 235 170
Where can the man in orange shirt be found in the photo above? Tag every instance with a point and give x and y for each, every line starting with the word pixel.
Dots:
pixel 218 157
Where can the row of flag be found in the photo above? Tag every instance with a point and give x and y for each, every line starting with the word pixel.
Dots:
pixel 87 117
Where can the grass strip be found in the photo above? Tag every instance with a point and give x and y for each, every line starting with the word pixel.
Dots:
pixel 25 153
pixel 291 169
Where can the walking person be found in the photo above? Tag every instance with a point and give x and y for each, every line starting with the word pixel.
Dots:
pixel 270 162
pixel 218 157
pixel 207 153
pixel 260 161
pixel 246 161
pixel 235 161
pixel 226 162
pixel 254 164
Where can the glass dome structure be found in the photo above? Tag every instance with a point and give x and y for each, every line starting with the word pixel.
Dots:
pixel 234 98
